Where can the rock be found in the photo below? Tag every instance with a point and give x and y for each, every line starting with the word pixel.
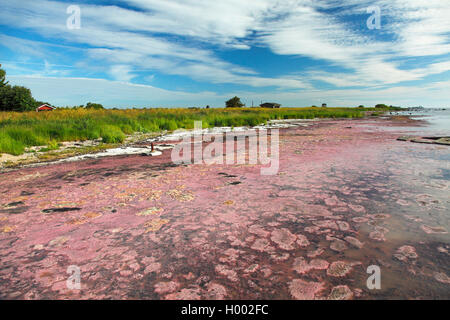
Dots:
pixel 354 242
pixel 444 141
pixel 377 236
pixel 216 291
pixel 338 245
pixel 431 230
pixel 302 266
pixel 339 269
pixel 406 252
pixel 166 287
pixel 315 253
pixel 442 277
pixel 283 238
pixel 302 240
pixel 341 293
pixel 304 290
pixel 150 211
pixel 184 294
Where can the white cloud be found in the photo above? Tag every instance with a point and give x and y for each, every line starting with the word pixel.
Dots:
pixel 76 91
pixel 179 37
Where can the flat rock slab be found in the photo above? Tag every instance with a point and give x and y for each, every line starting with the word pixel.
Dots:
pixel 428 140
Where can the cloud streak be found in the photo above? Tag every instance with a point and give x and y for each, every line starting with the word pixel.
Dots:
pixel 185 38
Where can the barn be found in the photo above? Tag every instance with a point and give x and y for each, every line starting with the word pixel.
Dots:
pixel 44 107
pixel 270 105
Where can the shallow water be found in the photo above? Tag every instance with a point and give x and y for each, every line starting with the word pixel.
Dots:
pixel 345 198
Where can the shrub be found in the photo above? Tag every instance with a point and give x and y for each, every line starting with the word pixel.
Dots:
pixel 111 134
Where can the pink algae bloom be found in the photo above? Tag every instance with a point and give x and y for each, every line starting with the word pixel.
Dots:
pixel 354 242
pixel 224 271
pixel 341 293
pixel 184 294
pixel 329 224
pixel 165 287
pixel 339 269
pixel 377 236
pixel 406 252
pixel 360 219
pixel 283 238
pixel 431 230
pixel 315 253
pixel 261 245
pixel 338 245
pixel 216 291
pixel 357 208
pixel 304 290
pixel 302 266
pixel 442 277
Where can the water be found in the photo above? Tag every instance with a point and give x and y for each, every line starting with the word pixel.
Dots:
pixel 438 121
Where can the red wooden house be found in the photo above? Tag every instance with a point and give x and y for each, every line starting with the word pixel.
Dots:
pixel 45 107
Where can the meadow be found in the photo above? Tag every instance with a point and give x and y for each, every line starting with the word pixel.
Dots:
pixel 19 130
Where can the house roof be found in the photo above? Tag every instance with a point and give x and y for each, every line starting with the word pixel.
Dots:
pixel 46 105
pixel 271 103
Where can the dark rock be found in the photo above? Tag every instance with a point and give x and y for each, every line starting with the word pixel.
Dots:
pixel 63 209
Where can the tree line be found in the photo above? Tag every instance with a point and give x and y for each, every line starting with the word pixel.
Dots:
pixel 19 98
pixel 15 98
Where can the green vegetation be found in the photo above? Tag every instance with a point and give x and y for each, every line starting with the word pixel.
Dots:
pixel 3 81
pixel 96 106
pixel 19 130
pixel 15 98
pixel 234 103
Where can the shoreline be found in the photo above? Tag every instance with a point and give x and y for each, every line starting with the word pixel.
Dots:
pixel 344 198
pixel 134 141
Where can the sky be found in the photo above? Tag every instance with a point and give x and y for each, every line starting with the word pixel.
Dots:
pixel 184 53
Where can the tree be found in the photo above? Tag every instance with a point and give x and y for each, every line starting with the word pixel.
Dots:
pixel 16 98
pixel 96 106
pixel 381 105
pixel 3 81
pixel 234 103
pixel 361 106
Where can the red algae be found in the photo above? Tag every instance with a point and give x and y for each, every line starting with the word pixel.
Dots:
pixel 338 245
pixel 216 291
pixel 442 277
pixel 406 252
pixel 165 287
pixel 184 294
pixel 431 230
pixel 304 290
pixel 377 236
pixel 315 253
pixel 340 269
pixel 302 266
pixel 144 228
pixel 342 292
pixel 283 238
pixel 354 242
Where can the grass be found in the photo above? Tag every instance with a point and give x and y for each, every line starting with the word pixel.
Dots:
pixel 19 130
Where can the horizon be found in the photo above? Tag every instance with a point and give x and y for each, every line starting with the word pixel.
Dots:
pixel 147 54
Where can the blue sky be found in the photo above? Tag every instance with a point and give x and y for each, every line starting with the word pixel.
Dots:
pixel 180 53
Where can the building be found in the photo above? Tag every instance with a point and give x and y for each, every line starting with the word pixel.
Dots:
pixel 270 105
pixel 44 107
pixel 324 105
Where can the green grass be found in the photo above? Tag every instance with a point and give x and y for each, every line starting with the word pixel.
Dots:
pixel 19 130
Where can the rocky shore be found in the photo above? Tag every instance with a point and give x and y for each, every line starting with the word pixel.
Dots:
pixel 347 196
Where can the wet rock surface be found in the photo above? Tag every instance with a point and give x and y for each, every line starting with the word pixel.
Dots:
pixel 144 228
